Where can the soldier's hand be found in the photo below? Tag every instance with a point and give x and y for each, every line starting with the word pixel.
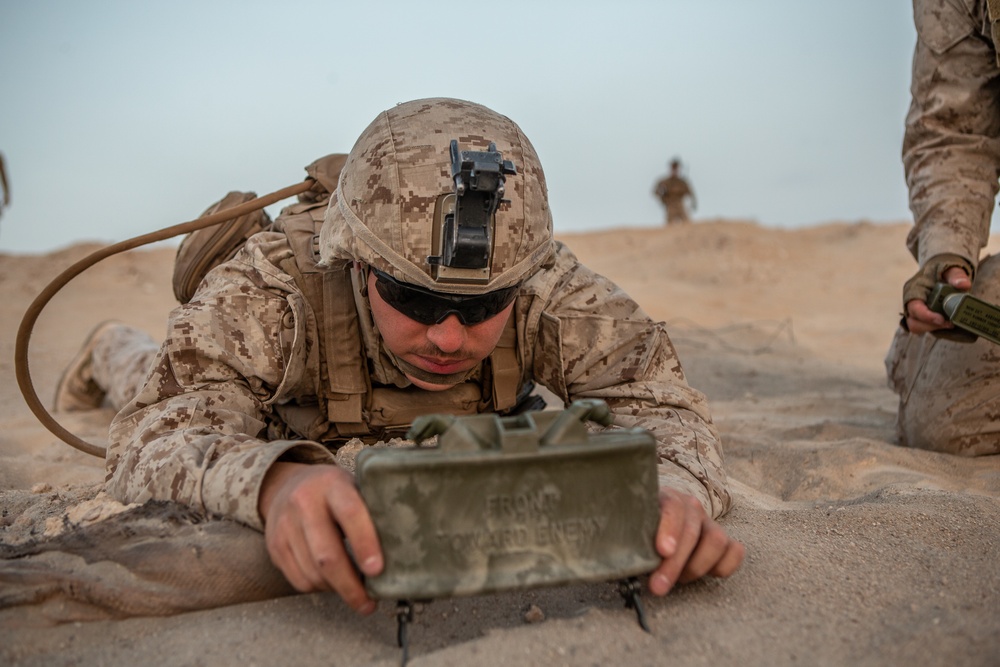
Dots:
pixel 921 319
pixel 309 511
pixel 691 543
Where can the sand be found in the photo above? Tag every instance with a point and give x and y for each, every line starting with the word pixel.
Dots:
pixel 859 552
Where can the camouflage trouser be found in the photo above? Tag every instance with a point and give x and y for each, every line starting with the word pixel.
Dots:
pixel 949 392
pixel 120 361
pixel 676 212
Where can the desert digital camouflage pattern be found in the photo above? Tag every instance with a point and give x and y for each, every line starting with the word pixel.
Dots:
pixel 122 357
pixel 951 148
pixel 208 421
pixel 204 428
pixel 949 392
pixel 399 167
pixel 513 502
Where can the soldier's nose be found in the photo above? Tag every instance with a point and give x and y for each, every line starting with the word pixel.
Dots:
pixel 447 335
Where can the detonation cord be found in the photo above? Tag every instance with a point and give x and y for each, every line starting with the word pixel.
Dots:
pixel 60 281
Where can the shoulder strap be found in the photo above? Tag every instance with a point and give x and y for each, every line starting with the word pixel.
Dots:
pixel 328 292
pixel 506 368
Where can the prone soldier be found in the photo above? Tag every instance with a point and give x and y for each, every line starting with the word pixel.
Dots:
pixel 425 280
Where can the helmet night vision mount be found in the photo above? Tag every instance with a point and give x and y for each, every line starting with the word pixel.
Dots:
pixel 464 219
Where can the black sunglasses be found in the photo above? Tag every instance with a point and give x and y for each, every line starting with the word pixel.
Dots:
pixel 429 307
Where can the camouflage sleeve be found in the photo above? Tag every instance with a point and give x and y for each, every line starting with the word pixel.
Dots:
pixel 659 189
pixel 194 433
pixel 951 147
pixel 596 342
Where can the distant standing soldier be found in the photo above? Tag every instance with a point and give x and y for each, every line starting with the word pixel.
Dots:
pixel 672 190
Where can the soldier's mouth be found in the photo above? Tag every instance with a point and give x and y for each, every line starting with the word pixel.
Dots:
pixel 443 366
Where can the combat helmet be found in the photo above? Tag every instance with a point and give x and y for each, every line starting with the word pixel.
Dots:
pixel 444 194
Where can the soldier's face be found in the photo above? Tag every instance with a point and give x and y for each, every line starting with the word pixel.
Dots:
pixel 444 348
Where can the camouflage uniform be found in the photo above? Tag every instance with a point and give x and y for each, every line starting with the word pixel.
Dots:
pixel 200 431
pixel 949 391
pixel 240 380
pixel 121 358
pixel 671 191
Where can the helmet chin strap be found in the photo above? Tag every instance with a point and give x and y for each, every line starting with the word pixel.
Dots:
pixel 425 376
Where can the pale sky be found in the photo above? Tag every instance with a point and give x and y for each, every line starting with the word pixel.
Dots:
pixel 121 117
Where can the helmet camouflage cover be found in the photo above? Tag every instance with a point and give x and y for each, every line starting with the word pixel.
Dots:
pixel 383 211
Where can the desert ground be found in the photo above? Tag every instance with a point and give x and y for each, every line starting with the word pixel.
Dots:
pixel 860 552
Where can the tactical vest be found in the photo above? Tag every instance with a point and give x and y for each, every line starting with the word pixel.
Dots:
pixel 348 404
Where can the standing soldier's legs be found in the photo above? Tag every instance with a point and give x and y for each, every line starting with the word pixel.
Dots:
pixel 949 392
pixel 112 364
pixel 676 213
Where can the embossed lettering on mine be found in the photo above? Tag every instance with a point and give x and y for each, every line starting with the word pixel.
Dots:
pixel 525 521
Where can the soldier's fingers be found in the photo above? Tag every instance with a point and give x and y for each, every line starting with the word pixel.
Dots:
pixel 321 554
pixel 680 527
pixel 329 561
pixel 712 555
pixel 691 534
pixel 957 278
pixel 307 567
pixel 287 550
pixel 302 535
pixel 921 319
pixel 730 561
pixel 351 514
